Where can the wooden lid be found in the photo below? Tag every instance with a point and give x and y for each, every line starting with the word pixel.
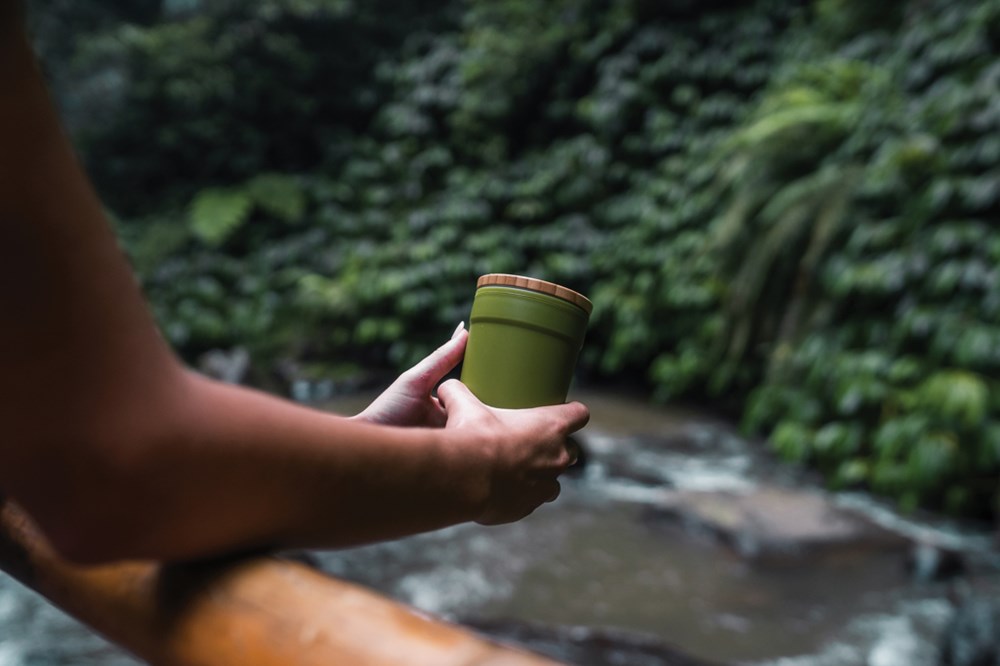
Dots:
pixel 534 284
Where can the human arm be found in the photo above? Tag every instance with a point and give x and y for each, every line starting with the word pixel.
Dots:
pixel 118 451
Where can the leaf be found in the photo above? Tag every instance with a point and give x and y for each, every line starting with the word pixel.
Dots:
pixel 989 447
pixel 217 212
pixel 782 129
pixel 157 240
pixel 279 195
pixel 955 395
pixel 931 457
pixel 851 472
pixel 837 440
pixel 791 440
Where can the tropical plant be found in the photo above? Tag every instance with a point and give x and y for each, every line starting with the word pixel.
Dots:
pixel 786 208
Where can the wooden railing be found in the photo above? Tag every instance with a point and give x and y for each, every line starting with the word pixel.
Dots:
pixel 256 611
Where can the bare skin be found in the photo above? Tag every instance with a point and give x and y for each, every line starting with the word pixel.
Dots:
pixel 118 451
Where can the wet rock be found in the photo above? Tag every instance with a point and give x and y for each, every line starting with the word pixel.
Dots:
pixel 928 562
pixel 229 366
pixel 586 646
pixel 626 469
pixel 695 438
pixel 684 440
pixel 610 459
pixel 769 522
pixel 306 557
pixel 972 638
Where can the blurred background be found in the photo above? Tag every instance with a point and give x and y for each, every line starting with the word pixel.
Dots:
pixel 785 212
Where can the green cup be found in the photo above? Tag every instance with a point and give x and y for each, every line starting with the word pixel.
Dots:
pixel 524 338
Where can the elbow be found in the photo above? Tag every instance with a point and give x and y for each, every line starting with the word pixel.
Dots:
pixel 86 544
pixel 96 482
pixel 97 505
pixel 92 523
pixel 111 524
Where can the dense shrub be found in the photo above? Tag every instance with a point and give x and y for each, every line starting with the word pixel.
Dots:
pixel 788 206
pixel 893 381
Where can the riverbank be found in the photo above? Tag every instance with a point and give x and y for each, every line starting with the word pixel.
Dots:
pixel 678 542
pixel 681 532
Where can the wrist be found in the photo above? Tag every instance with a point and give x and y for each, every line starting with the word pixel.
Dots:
pixel 467 468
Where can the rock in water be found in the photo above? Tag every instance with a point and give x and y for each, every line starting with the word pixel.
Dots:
pixel 928 562
pixel 774 523
pixel 973 636
pixel 586 646
pixel 227 366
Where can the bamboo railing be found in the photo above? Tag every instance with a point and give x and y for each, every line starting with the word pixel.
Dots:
pixel 255 611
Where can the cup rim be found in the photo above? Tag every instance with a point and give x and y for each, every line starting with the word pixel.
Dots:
pixel 535 284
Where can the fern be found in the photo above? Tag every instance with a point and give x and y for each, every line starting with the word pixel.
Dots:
pixel 217 212
pixel 783 132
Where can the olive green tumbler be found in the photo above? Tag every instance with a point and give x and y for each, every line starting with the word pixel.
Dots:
pixel 524 337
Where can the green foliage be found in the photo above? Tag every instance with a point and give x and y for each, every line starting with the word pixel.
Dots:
pixel 226 91
pixel 786 206
pixel 279 196
pixel 887 378
pixel 848 18
pixel 958 398
pixel 217 212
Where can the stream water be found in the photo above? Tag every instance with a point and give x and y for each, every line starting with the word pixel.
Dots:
pixel 597 558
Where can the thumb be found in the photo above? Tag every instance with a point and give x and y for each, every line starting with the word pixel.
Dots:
pixel 457 398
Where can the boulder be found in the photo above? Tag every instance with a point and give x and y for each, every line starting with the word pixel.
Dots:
pixel 931 562
pixel 229 366
pixel 769 522
pixel 972 638
pixel 586 646
pixel 613 459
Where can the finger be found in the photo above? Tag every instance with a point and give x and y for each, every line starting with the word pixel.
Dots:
pixel 577 415
pixel 428 372
pixel 571 416
pixel 552 489
pixel 573 451
pixel 556 459
pixel 541 489
pixel 437 417
pixel 456 398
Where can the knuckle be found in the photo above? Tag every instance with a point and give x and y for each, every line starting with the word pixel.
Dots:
pixel 410 374
pixel 445 388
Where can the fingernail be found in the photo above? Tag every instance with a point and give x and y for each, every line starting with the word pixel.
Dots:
pixel 461 326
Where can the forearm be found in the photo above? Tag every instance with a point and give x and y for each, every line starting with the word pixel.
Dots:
pixel 224 468
pixel 313 479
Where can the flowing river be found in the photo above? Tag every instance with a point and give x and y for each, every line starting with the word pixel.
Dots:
pixel 606 569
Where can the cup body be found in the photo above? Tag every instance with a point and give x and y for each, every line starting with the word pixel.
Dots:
pixel 523 346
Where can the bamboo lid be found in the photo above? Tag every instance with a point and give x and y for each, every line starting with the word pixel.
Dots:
pixel 534 284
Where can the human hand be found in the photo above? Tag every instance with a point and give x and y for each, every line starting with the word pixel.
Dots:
pixel 515 454
pixel 409 401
